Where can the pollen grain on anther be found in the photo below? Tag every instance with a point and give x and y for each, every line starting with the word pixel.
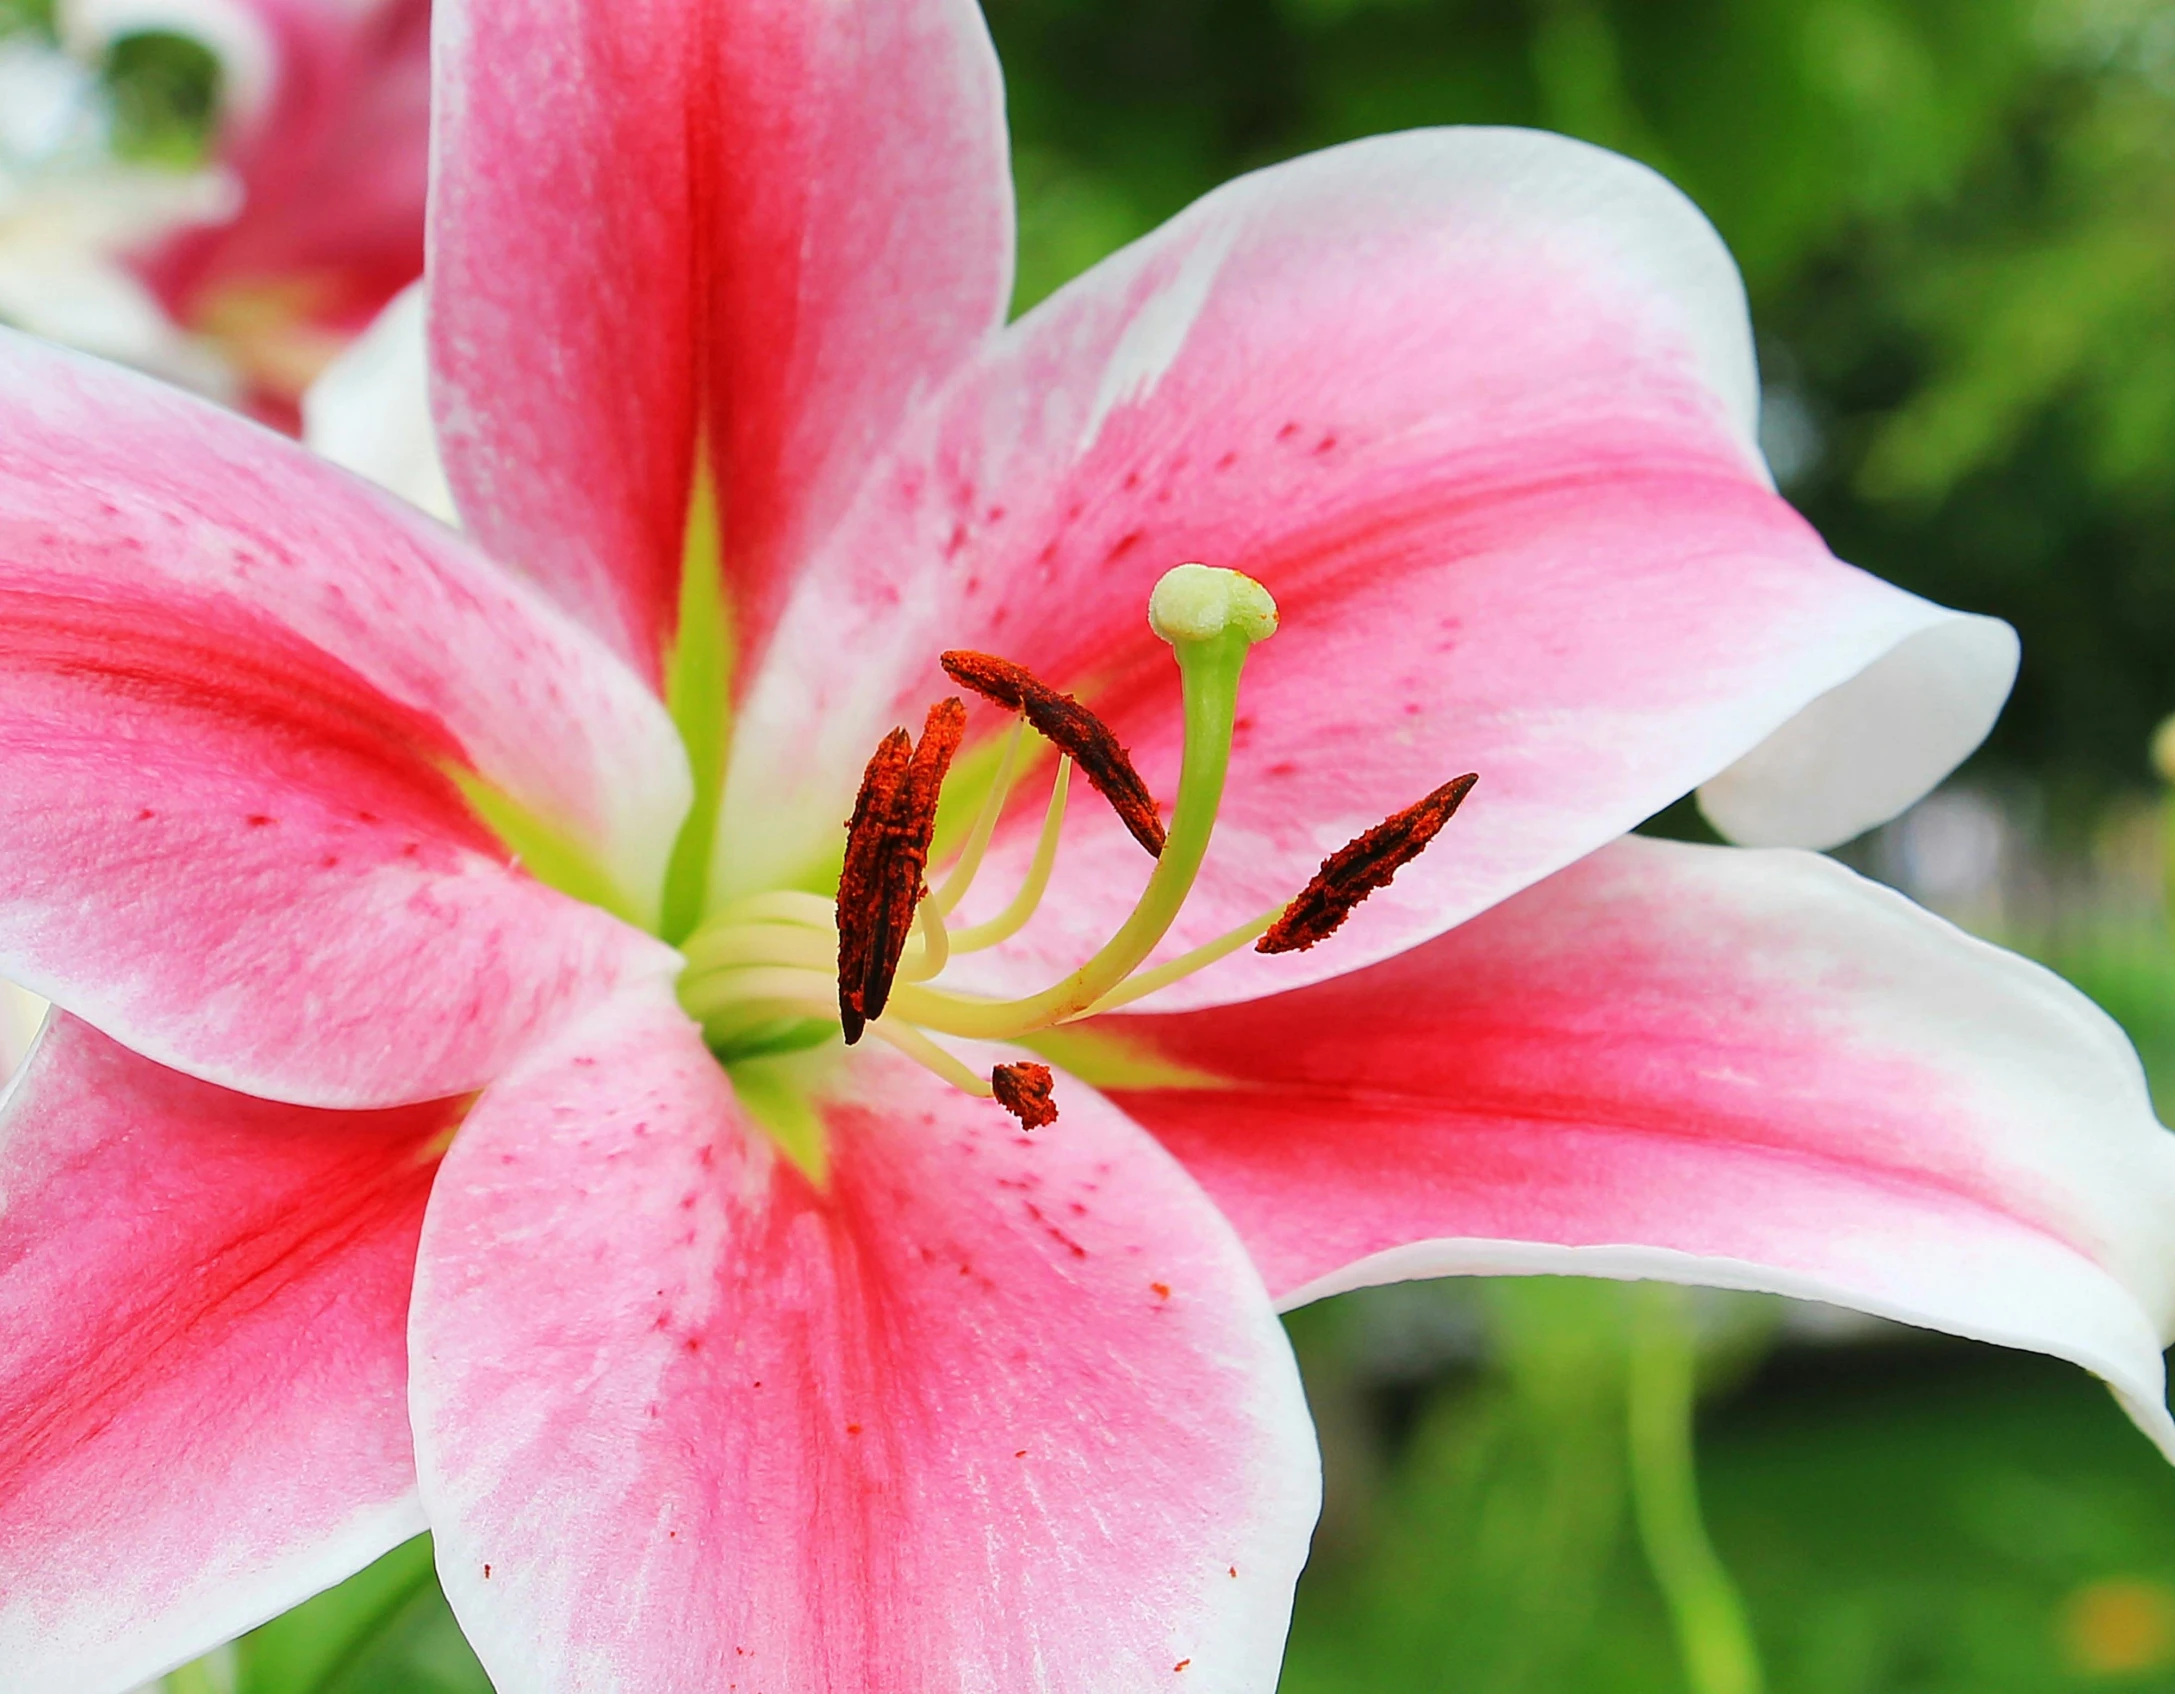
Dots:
pixel 887 851
pixel 1071 728
pixel 1361 866
pixel 1023 1089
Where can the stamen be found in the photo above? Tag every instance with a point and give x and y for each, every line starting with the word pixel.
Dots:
pixel 1211 618
pixel 936 945
pixel 738 1005
pixel 961 877
pixel 905 1038
pixel 1143 983
pixel 1024 1091
pixel 887 850
pixel 1361 866
pixel 1013 918
pixel 778 905
pixel 1071 728
pixel 766 942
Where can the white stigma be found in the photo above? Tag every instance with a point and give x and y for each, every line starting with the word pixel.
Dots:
pixel 1200 602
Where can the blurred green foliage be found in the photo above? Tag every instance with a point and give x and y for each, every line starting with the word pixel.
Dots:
pixel 164 90
pixel 32 17
pixel 1918 1518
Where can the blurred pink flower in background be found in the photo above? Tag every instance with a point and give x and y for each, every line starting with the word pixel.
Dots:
pixel 242 278
pixel 328 144
pixel 445 1126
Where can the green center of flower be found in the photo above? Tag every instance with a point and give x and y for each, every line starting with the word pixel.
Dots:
pixel 775 976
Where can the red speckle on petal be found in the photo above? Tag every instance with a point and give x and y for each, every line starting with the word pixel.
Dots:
pixel 487 1573
pixel 853 1429
pixel 257 820
pixel 1021 1454
pixel 1162 1290
pixel 146 815
pixel 1234 1570
pixel 1181 1664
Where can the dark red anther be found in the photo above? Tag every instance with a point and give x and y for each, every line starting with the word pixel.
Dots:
pixel 1358 868
pixel 1024 1091
pixel 887 851
pixel 1069 727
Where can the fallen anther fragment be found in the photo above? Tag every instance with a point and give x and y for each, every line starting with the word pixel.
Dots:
pixel 1071 728
pixel 887 851
pixel 1359 867
pixel 1023 1089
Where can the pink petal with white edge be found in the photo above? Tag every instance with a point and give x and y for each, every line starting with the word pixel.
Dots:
pixel 1746 1068
pixel 990 1412
pixel 236 690
pixel 1477 407
pixel 758 230
pixel 203 1302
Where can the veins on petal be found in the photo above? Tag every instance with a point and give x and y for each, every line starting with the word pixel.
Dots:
pixel 887 852
pixel 1361 866
pixel 1071 728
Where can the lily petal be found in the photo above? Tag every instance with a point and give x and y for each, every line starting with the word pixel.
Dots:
pixel 202 1361
pixel 253 709
pixel 370 411
pixel 1746 1068
pixel 752 235
pixel 685 1420
pixel 1477 407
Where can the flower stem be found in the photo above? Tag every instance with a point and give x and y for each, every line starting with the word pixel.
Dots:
pixel 1714 1637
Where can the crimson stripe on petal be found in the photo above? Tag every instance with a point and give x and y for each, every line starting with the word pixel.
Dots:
pixel 1742 1067
pixel 988 1411
pixel 203 1304
pixel 1476 407
pixel 236 688
pixel 758 232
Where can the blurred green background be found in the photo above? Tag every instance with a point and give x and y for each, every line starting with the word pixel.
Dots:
pixel 1956 219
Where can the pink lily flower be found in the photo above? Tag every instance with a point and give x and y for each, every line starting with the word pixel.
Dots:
pixel 447 1123
pixel 325 132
